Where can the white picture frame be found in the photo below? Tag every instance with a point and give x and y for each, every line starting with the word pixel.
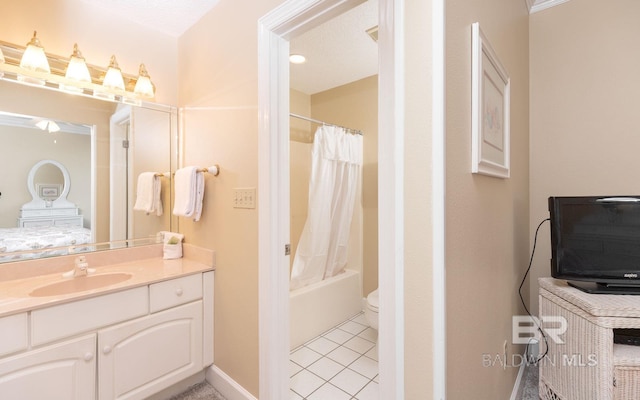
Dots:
pixel 490 105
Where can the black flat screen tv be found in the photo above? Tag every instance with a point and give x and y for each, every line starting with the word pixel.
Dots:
pixel 595 242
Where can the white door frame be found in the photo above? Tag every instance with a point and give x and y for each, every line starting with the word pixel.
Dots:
pixel 275 30
pixel 119 127
pixel 291 18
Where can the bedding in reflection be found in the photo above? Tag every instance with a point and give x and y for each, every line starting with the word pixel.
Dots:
pixel 42 241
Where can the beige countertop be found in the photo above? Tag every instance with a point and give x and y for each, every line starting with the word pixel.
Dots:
pixel 15 293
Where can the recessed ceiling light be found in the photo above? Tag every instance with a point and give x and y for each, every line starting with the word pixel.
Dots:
pixel 297 58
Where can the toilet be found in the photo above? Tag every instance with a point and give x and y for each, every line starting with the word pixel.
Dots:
pixel 371 310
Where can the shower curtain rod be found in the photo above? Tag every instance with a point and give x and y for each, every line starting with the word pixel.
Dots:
pixel 316 121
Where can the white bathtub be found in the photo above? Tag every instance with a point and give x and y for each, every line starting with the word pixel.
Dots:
pixel 317 308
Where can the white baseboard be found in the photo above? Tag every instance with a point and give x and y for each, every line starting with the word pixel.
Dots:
pixel 179 387
pixel 516 385
pixel 530 353
pixel 223 383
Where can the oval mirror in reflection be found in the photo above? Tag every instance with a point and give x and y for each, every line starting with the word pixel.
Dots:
pixel 48 181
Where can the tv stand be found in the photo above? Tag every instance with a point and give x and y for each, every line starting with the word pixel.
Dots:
pixel 604 288
pixel 586 363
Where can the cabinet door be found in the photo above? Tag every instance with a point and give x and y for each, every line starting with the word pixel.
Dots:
pixel 143 356
pixel 65 371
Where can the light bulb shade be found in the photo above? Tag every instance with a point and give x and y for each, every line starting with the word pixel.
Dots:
pixel 113 78
pixel 144 87
pixel 34 58
pixel 53 127
pixel 42 124
pixel 48 125
pixel 77 69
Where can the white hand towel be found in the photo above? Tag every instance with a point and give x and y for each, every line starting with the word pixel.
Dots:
pixel 148 194
pixel 199 196
pixel 189 189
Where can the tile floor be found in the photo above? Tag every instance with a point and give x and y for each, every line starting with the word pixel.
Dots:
pixel 342 363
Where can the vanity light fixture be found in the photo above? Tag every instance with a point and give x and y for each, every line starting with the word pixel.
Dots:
pixel 30 64
pixel 48 125
pixel 113 78
pixel 34 59
pixel 144 87
pixel 77 69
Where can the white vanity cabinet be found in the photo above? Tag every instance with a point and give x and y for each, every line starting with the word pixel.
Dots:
pixel 64 371
pixel 138 357
pixel 136 342
pixel 141 356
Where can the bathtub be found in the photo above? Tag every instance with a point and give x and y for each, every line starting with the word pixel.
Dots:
pixel 316 308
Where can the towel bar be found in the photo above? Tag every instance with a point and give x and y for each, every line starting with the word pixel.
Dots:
pixel 214 169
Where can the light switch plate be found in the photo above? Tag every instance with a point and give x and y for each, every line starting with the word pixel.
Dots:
pixel 244 198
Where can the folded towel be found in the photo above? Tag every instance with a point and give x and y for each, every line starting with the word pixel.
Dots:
pixel 148 194
pixel 189 189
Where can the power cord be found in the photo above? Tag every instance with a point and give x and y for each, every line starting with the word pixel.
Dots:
pixel 535 321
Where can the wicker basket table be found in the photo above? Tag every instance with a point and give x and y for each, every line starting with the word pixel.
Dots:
pixel 588 365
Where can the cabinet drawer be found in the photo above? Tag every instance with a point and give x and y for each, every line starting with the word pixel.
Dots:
pixel 36 223
pixel 65 320
pixel 14 333
pixel 178 291
pixel 68 221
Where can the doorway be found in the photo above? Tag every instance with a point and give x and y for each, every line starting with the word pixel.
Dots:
pixel 275 31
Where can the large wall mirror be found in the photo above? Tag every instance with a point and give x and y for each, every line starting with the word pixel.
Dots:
pixel 102 146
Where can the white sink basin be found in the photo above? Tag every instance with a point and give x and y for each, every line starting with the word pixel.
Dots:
pixel 80 284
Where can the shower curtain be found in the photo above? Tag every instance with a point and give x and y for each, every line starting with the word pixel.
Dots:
pixel 335 169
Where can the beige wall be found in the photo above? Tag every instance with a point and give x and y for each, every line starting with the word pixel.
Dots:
pixel 487 219
pixel 301 139
pixel 584 108
pixel 219 91
pixel 355 105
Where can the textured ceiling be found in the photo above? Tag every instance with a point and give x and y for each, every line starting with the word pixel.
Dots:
pixel 172 17
pixel 338 52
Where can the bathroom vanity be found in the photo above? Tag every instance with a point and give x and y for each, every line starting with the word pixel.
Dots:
pixel 124 340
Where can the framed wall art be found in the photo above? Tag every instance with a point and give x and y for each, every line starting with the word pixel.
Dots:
pixel 49 191
pixel 490 109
